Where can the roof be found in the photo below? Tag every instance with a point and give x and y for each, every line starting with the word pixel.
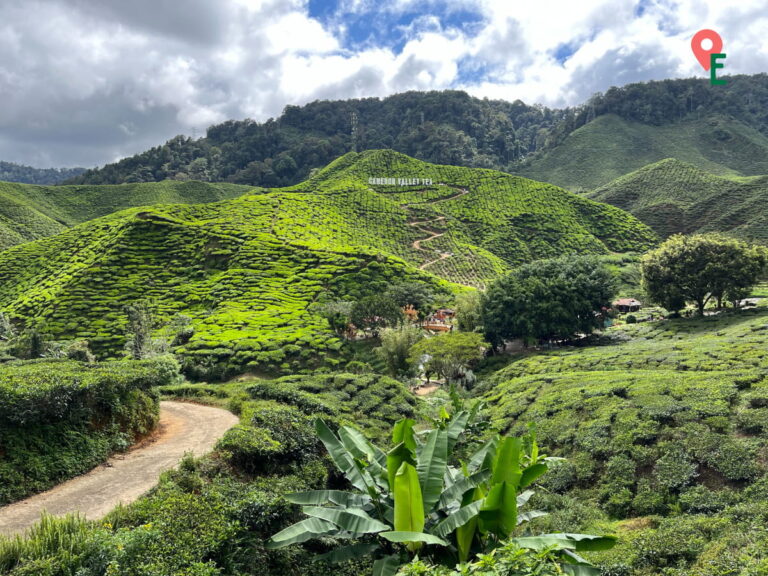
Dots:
pixel 627 302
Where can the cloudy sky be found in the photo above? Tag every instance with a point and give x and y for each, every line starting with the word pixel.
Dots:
pixel 84 82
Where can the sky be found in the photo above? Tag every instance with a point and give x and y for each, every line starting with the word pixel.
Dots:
pixel 86 82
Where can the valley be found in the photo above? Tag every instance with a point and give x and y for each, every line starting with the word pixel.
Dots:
pixel 373 362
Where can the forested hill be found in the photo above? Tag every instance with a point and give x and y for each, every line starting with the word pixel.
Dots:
pixel 446 127
pixel 10 172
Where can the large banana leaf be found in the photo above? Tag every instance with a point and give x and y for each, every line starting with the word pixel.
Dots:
pixel 370 457
pixel 480 457
pixel 506 467
pixel 566 541
pixel 465 533
pixel 395 458
pixel 301 532
pixel 320 497
pixel 458 518
pixel 456 427
pixel 386 566
pixel 403 432
pixel 341 457
pixel 432 462
pixel 498 514
pixel 408 537
pixel 409 504
pixel 532 473
pixel 355 521
pixel 456 491
pixel 348 552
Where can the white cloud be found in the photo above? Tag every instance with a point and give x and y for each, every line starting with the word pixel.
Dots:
pixel 86 81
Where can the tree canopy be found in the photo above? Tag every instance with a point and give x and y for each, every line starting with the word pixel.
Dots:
pixel 449 354
pixel 701 268
pixel 548 300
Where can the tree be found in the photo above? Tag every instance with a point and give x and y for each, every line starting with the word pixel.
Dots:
pixel 337 312
pixel 375 312
pixel 548 300
pixel 415 294
pixel 395 346
pixel 413 500
pixel 138 333
pixel 449 354
pixel 469 311
pixel 700 268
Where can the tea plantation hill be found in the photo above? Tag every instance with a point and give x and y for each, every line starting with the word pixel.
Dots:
pixel 674 197
pixel 666 426
pixel 247 270
pixel 610 147
pixel 29 212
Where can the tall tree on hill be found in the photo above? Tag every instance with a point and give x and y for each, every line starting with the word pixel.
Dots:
pixel 553 299
pixel 700 269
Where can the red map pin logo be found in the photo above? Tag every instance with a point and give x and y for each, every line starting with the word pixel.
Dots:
pixel 702 54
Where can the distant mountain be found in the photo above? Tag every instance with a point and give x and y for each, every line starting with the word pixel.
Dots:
pixel 610 146
pixel 452 127
pixel 246 270
pixel 10 172
pixel 674 197
pixel 29 212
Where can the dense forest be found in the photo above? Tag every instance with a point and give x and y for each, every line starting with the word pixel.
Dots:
pixel 448 127
pixel 10 172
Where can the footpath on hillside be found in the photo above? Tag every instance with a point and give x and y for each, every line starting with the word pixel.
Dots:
pixel 125 477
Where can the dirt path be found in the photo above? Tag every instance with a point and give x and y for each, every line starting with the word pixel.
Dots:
pixel 123 478
pixel 421 227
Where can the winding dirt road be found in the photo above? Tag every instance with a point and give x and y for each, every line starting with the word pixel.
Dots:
pixel 125 477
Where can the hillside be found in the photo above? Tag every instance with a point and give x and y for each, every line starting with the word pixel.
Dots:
pixel 674 197
pixel 11 172
pixel 610 147
pixel 30 212
pixel 666 426
pixel 247 270
pixel 451 127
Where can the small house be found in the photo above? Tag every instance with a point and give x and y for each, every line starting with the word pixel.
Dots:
pixel 625 305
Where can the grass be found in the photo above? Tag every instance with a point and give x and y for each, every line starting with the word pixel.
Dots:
pixel 247 270
pixel 674 197
pixel 29 212
pixel 610 147
pixel 666 421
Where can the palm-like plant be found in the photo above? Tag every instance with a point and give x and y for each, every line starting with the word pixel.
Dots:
pixel 412 496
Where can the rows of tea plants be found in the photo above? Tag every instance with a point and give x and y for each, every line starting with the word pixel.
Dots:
pixel 665 421
pixel 60 418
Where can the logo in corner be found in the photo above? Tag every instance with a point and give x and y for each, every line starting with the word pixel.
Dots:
pixel 708 57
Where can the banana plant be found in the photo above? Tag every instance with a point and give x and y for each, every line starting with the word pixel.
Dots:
pixel 412 496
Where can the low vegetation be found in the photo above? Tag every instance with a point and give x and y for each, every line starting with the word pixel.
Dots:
pixel 674 197
pixel 59 419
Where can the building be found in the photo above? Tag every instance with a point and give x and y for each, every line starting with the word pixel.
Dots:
pixel 625 305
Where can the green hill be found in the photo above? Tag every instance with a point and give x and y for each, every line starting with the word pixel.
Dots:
pixel 668 426
pixel 610 147
pixel 246 270
pixel 28 212
pixel 674 197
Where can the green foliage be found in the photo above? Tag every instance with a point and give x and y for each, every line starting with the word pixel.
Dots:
pixel 60 419
pixel 30 212
pixel 654 422
pixel 548 300
pixel 699 268
pixel 373 313
pixel 247 272
pixel 449 354
pixel 673 197
pixel 614 144
pixel 410 495
pixel 469 311
pixel 396 344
